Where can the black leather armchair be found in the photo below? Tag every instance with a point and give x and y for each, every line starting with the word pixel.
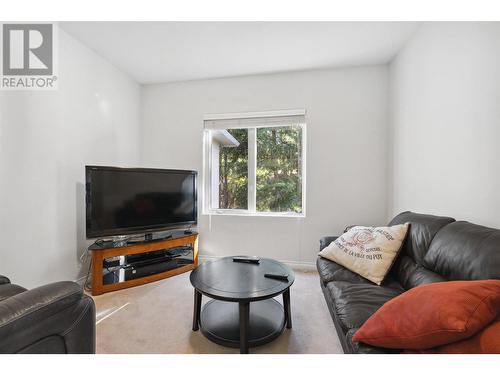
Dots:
pixel 54 318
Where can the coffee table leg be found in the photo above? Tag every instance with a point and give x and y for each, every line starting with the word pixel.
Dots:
pixel 244 326
pixel 197 310
pixel 286 307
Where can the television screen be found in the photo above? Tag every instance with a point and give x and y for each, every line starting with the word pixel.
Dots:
pixel 120 201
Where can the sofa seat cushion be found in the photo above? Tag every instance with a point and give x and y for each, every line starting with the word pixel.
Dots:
pixel 362 348
pixel 9 290
pixel 355 303
pixel 330 271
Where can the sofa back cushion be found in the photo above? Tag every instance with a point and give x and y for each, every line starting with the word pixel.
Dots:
pixel 465 251
pixel 409 269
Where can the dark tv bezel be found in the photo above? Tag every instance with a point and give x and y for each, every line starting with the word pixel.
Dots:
pixel 133 230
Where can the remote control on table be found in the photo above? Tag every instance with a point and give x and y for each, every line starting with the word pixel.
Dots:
pixel 255 260
pixel 277 276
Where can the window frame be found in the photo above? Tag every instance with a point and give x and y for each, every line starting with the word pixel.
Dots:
pixel 252 165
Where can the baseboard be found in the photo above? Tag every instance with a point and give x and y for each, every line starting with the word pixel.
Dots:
pixel 303 266
pixel 306 266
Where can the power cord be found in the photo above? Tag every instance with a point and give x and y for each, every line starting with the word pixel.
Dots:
pixel 115 277
pixel 86 285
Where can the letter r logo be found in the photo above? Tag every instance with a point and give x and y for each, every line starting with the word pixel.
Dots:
pixel 27 49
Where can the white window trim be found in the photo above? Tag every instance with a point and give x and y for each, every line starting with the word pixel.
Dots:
pixel 240 115
pixel 252 161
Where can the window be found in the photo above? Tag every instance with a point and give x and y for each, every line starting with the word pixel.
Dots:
pixel 255 164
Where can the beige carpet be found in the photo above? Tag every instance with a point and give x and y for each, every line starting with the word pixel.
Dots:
pixel 157 318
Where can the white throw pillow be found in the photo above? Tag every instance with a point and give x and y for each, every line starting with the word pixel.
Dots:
pixel 368 251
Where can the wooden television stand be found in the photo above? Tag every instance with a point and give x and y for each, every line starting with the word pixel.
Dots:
pixel 110 250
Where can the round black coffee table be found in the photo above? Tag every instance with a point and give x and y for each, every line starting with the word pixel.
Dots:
pixel 229 319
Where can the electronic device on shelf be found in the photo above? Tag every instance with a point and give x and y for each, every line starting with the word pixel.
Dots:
pixel 245 259
pixel 125 201
pixel 159 254
pixel 129 267
pixel 135 272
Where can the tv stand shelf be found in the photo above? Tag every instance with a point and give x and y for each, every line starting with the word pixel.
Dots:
pixel 101 252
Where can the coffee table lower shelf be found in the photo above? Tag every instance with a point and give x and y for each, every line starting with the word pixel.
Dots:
pixel 220 322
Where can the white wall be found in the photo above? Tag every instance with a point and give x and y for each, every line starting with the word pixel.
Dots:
pixel 46 138
pixel 347 131
pixel 441 153
pixel 445 100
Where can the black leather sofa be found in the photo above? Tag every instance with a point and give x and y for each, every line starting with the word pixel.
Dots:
pixel 436 249
pixel 54 318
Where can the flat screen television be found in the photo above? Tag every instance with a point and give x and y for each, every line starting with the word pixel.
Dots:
pixel 122 201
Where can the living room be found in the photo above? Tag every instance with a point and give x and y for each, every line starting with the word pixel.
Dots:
pixel 261 187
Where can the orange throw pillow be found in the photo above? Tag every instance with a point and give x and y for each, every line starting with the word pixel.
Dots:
pixel 432 315
pixel 486 341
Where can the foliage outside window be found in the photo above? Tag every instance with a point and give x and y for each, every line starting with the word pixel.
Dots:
pixel 233 173
pixel 279 177
pixel 256 170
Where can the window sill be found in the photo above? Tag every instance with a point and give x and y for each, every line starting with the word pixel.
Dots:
pixel 251 214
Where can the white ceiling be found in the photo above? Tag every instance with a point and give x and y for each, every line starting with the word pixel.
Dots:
pixel 154 52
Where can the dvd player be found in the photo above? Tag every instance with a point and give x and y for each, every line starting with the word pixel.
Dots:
pixel 159 254
pixel 129 267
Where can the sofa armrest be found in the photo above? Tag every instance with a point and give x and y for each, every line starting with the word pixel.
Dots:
pixel 348 228
pixel 325 241
pixel 4 280
pixel 50 310
pixel 38 303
